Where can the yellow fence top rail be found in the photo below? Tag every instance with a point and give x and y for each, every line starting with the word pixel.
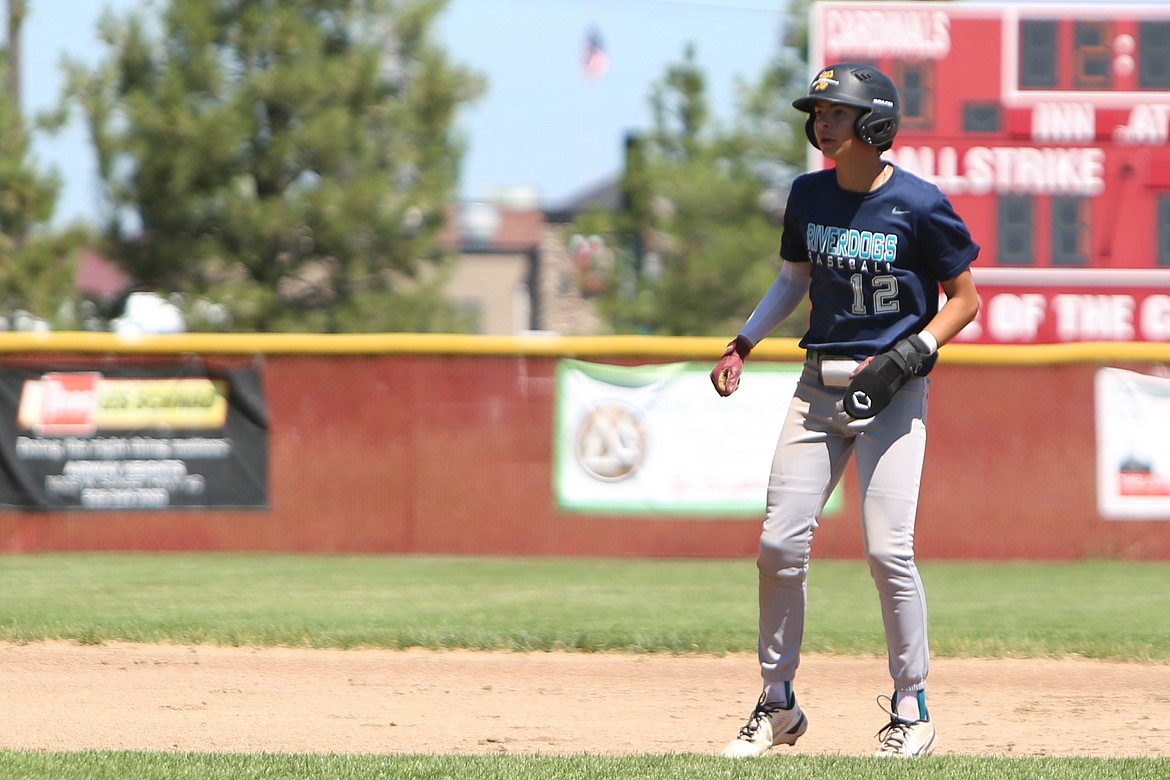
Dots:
pixel 652 347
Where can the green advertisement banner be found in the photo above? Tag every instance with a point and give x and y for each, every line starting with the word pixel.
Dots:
pixel 658 439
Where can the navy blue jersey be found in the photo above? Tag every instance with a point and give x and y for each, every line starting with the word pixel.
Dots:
pixel 877 258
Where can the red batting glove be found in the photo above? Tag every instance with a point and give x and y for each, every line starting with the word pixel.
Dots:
pixel 725 375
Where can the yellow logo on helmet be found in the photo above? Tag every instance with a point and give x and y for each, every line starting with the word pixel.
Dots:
pixel 824 80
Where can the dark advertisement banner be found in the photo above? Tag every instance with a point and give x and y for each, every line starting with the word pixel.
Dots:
pixel 114 436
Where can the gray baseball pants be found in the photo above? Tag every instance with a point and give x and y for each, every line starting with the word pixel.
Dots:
pixel 815 444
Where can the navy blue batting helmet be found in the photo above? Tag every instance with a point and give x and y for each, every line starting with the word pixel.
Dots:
pixel 861 86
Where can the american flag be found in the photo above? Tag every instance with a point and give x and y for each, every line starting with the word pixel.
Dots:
pixel 596 60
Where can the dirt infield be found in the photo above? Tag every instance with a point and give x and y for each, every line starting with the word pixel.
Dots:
pixel 169 698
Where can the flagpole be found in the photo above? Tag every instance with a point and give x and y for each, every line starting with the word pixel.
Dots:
pixel 596 64
pixel 592 112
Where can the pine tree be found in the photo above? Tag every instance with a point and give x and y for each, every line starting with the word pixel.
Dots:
pixel 290 159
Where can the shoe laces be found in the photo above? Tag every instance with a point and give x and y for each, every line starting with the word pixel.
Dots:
pixel 762 710
pixel 894 734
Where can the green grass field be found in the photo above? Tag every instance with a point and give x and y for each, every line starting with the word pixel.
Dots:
pixel 1099 609
pixel 164 766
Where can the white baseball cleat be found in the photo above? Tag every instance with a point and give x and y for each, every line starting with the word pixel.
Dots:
pixel 769 724
pixel 906 739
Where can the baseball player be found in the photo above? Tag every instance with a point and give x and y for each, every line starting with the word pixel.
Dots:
pixel 869 244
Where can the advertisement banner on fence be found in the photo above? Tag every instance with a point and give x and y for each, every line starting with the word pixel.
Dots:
pixel 120 436
pixel 658 439
pixel 1133 445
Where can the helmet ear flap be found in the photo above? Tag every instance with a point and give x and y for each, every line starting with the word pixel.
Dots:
pixel 876 131
pixel 808 131
pixel 863 129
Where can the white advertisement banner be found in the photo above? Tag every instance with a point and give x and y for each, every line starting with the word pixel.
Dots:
pixel 1133 445
pixel 658 439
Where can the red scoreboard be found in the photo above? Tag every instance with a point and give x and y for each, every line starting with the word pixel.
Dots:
pixel 1048 127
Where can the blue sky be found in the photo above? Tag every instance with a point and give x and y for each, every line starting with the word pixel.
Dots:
pixel 543 124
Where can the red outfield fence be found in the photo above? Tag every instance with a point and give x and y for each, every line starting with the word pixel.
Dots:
pixel 443 445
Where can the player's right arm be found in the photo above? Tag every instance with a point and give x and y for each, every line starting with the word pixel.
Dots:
pixel 785 294
pixel 782 298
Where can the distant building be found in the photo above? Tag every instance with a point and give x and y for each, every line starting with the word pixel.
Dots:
pixel 98 278
pixel 520 271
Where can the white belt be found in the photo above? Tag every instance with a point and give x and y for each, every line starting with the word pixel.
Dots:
pixel 833 370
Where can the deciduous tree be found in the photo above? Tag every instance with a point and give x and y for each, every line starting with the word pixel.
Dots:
pixel 698 234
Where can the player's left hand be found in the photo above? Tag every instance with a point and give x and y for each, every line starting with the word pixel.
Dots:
pixel 725 376
pixel 879 377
